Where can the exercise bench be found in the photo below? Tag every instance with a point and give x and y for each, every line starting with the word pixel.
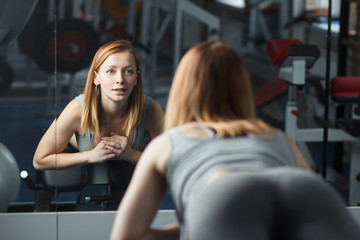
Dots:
pixel 293 57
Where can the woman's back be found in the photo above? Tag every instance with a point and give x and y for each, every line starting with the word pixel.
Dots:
pixel 193 160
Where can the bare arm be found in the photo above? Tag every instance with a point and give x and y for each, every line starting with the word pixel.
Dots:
pixel 300 158
pixel 56 138
pixel 144 196
pixel 155 124
pixel 49 151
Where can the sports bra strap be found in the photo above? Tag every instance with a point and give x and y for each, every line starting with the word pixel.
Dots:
pixel 209 131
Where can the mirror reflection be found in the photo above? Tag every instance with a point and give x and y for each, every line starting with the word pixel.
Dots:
pixel 78 106
pixel 106 127
pixel 78 102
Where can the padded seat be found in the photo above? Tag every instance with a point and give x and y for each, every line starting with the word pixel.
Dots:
pixel 67 179
pixel 270 92
pixel 283 51
pixel 101 186
pixel 346 89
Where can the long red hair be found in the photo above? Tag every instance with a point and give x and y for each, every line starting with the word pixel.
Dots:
pixel 212 86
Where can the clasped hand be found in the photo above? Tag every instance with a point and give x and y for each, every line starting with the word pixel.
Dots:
pixel 110 147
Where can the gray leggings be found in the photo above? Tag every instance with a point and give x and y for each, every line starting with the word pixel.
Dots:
pixel 279 203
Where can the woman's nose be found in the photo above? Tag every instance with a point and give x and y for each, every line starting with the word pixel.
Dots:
pixel 120 78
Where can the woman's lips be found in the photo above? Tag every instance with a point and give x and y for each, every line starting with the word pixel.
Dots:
pixel 120 90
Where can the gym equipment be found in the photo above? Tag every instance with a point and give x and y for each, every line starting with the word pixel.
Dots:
pixel 187 8
pixel 259 29
pixel 100 186
pixel 284 52
pixel 270 92
pixel 132 10
pixel 346 91
pixel 9 178
pixel 294 58
pixel 6 75
pixel 77 42
pixel 152 33
pixel 152 30
pixel 48 183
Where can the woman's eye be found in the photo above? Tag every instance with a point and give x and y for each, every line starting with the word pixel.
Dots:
pixel 129 71
pixel 110 71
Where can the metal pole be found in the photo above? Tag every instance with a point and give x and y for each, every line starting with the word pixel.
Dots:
pixel 327 83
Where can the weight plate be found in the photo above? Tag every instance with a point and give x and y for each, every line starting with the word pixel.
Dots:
pixel 77 42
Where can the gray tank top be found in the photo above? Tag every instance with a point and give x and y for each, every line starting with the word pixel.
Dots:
pixel 192 160
pixel 85 142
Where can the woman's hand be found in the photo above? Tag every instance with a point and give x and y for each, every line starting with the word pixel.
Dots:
pixel 118 145
pixel 100 153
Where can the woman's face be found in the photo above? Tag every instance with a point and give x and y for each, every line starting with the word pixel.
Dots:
pixel 117 76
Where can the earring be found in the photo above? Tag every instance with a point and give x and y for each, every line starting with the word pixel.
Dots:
pixel 97 90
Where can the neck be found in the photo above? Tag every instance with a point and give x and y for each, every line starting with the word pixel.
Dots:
pixel 114 107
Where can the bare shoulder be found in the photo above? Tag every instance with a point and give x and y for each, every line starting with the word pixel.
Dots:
pixel 73 108
pixel 156 109
pixel 70 117
pixel 157 152
pixel 155 123
pixel 300 158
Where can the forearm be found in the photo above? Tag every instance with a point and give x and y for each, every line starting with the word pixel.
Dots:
pixel 60 160
pixel 300 158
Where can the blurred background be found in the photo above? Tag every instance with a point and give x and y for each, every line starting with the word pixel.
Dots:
pixel 38 77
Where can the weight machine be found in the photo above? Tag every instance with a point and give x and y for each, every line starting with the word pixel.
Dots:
pixel 179 14
pixel 259 30
pixel 76 40
pixel 293 58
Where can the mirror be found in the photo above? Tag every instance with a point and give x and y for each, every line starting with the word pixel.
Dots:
pixel 27 90
pixel 34 88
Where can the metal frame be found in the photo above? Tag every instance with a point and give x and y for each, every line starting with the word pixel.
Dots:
pixel 295 75
pixel 152 30
pixel 185 7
